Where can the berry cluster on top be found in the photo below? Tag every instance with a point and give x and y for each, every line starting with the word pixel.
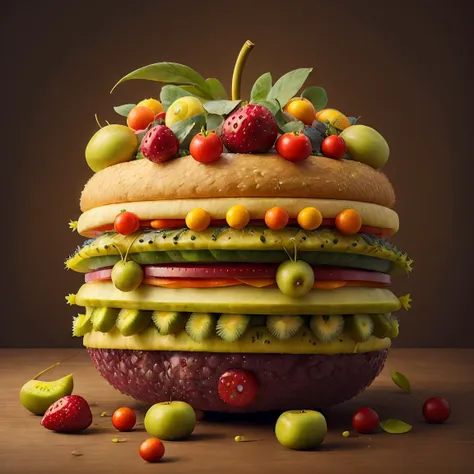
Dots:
pixel 195 117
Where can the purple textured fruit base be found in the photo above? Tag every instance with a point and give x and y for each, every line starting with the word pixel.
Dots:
pixel 286 382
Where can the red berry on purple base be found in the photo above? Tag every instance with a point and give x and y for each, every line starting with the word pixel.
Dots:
pixel 159 144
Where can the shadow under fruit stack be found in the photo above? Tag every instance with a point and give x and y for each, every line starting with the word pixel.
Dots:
pixel 237 255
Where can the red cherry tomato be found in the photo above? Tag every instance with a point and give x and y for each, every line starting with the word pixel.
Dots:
pixel 365 420
pixel 294 146
pixel 436 410
pixel 160 116
pixel 206 147
pixel 152 450
pixel 334 147
pixel 126 223
pixel 124 419
pixel 237 388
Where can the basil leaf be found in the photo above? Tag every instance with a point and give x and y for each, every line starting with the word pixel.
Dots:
pixel 216 89
pixel 295 126
pixel 196 92
pixel 393 426
pixel 124 110
pixel 186 129
pixel 261 88
pixel 213 122
pixel 272 105
pixel 288 85
pixel 288 123
pixel 317 96
pixel 171 93
pixel 221 107
pixel 401 381
pixel 171 73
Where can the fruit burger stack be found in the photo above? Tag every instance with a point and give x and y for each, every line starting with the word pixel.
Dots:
pixel 237 255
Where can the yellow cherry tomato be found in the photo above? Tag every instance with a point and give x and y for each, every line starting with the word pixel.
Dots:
pixel 152 104
pixel 348 222
pixel 310 218
pixel 237 217
pixel 302 109
pixel 336 119
pixel 198 219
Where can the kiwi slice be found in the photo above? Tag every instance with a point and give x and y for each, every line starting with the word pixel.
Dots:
pixel 382 326
pixel 257 320
pixel 394 327
pixel 327 327
pixel 200 326
pixel 103 319
pixel 283 327
pixel 169 322
pixel 82 323
pixel 360 326
pixel 132 321
pixel 231 327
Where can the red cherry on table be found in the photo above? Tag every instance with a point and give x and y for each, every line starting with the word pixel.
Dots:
pixel 237 388
pixel 334 147
pixel 365 420
pixel 436 410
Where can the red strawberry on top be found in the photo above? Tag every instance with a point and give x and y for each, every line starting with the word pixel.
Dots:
pixel 159 144
pixel 251 129
pixel 68 415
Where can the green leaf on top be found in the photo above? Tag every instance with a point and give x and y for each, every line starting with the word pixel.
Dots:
pixel 317 96
pixel 261 88
pixel 401 381
pixel 171 93
pixel 197 92
pixel 186 129
pixel 272 105
pixel 221 107
pixel 168 73
pixel 353 120
pixel 216 89
pixel 288 123
pixel 393 426
pixel 213 122
pixel 288 85
pixel 124 110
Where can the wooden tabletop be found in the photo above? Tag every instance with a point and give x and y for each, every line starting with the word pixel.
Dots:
pixel 26 447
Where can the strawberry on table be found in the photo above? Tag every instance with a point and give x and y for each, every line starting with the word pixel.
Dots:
pixel 69 414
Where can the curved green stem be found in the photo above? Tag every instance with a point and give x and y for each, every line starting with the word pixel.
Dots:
pixel 46 370
pixel 239 67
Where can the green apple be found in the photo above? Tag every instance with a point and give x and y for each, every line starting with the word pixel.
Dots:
pixel 301 429
pixel 366 145
pixel 111 145
pixel 170 421
pixel 295 279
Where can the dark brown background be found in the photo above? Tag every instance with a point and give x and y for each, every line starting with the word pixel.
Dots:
pixel 403 67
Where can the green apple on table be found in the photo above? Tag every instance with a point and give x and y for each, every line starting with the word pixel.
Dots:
pixel 170 421
pixel 301 429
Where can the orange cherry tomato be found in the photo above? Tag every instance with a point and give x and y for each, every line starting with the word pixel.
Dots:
pixel 348 222
pixel 126 223
pixel 310 218
pixel 302 109
pixel 140 117
pixel 276 218
pixel 124 419
pixel 152 450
